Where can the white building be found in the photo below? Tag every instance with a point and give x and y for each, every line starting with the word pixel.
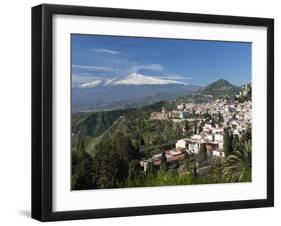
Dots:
pixel 218 153
pixel 218 137
pixel 193 148
pixel 180 106
pixel 196 137
pixel 183 114
pixel 182 143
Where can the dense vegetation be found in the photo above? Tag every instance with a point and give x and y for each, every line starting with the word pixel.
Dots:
pixel 111 160
pixel 113 157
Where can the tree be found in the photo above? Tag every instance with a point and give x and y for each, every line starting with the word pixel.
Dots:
pixel 134 170
pixel 123 146
pixel 186 125
pixel 213 123
pixel 150 171
pixel 195 174
pixel 163 157
pixel 191 164
pixel 237 166
pixel 186 128
pixel 203 153
pixel 82 166
pixel 235 142
pixel 220 118
pixel 110 170
pixel 164 164
pixel 227 142
pixel 230 142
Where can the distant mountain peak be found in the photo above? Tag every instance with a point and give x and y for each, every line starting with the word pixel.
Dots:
pixel 220 87
pixel 131 79
pixel 134 74
pixel 139 79
pixel 221 82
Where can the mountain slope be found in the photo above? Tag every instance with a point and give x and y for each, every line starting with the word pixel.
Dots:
pixel 91 84
pixel 138 79
pixel 220 88
pixel 217 89
pixel 131 79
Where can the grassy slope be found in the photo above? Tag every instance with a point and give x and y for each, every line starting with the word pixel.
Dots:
pixel 94 141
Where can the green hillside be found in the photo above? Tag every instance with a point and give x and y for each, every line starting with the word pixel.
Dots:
pixel 220 88
pixel 217 89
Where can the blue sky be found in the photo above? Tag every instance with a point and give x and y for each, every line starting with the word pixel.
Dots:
pixel 191 61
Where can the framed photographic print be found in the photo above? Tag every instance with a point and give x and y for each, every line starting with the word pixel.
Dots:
pixel 145 112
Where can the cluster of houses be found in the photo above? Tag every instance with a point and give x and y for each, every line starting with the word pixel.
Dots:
pixel 165 115
pixel 223 114
pixel 245 91
pixel 171 155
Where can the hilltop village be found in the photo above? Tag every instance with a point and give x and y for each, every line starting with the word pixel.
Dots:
pixel 212 121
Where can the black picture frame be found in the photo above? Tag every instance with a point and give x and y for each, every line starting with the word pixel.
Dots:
pixel 42 111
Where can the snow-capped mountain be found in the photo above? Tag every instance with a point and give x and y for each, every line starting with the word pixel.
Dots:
pixel 131 79
pixel 130 90
pixel 138 79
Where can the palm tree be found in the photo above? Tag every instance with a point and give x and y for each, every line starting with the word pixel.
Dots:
pixel 237 166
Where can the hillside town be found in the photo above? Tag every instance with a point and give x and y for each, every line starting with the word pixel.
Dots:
pixel 200 138
pixel 210 121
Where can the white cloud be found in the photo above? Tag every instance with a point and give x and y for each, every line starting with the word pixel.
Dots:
pixel 175 76
pixel 150 67
pixel 92 67
pixel 108 51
